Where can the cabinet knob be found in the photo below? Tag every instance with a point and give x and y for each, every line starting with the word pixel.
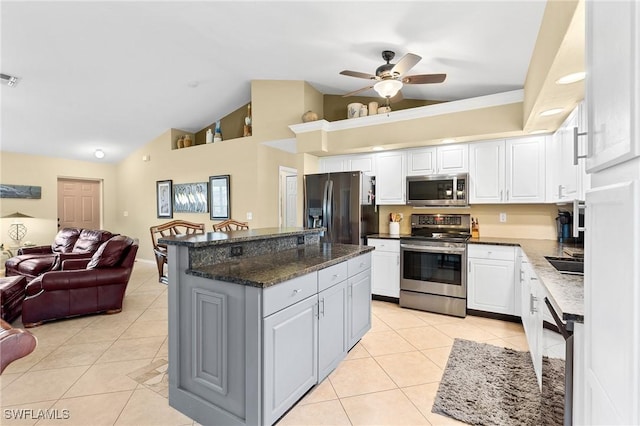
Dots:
pixel 334 276
pixel 296 291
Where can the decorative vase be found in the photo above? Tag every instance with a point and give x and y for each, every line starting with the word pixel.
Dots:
pixel 187 141
pixel 180 143
pixel 217 136
pixel 209 136
pixel 363 111
pixel 353 110
pixel 373 108
pixel 309 116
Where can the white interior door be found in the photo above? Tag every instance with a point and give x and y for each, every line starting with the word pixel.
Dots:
pixel 288 196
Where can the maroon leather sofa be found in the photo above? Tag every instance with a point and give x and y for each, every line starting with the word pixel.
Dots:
pixel 70 243
pixel 82 286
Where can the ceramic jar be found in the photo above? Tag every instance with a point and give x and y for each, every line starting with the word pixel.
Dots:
pixel 180 142
pixel 353 110
pixel 373 108
pixel 363 111
pixel 309 116
pixel 187 141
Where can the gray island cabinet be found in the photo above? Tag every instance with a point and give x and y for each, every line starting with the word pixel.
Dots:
pixel 250 334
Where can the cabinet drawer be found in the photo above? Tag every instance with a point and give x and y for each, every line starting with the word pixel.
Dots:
pixel 384 245
pixel 332 275
pixel 285 294
pixel 359 264
pixel 482 251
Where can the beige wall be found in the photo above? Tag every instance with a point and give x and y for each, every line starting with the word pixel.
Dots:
pixel 20 169
pixel 536 221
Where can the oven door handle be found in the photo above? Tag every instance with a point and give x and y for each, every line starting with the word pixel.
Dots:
pixel 446 250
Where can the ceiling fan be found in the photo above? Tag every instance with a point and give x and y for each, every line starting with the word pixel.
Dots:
pixel 389 77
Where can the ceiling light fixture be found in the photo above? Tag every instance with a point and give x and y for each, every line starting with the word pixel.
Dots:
pixel 387 88
pixel 9 80
pixel 552 111
pixel 99 153
pixel 571 78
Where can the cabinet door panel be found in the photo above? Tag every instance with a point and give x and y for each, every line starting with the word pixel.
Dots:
pixel 332 330
pixel 385 273
pixel 525 170
pixel 453 158
pixel 491 286
pixel 486 172
pixel 290 363
pixel 613 84
pixel 421 162
pixel 359 319
pixel 391 179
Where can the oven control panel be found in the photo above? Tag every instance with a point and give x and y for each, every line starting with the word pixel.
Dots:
pixel 447 220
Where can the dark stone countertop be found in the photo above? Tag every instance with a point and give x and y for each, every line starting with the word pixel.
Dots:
pixel 270 269
pixel 566 292
pixel 218 238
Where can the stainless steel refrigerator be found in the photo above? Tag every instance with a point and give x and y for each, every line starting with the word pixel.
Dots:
pixel 344 203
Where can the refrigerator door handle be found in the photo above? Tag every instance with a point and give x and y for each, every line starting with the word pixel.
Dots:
pixel 330 210
pixel 324 204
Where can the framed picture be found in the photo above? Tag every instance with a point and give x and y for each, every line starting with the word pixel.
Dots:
pixel 219 197
pixel 163 198
pixel 190 198
pixel 20 191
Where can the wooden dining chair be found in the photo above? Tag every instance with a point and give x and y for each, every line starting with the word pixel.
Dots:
pixel 175 227
pixel 230 225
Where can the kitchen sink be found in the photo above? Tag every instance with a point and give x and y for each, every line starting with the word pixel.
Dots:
pixel 567 265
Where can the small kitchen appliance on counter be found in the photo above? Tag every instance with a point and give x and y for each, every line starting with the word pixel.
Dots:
pixel 433 272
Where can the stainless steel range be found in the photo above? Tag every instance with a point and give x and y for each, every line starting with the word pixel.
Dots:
pixel 433 273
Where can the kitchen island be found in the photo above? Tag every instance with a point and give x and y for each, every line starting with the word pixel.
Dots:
pixel 258 317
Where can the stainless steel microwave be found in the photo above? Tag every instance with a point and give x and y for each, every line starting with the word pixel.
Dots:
pixel 438 190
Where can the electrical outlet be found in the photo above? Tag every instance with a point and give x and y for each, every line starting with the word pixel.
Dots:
pixel 236 251
pixel 503 217
pixel 249 216
pixel 300 239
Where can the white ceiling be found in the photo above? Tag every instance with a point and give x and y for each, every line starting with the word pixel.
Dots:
pixel 114 75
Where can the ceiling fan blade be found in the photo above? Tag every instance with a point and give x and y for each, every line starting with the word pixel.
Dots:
pixel 424 78
pixel 358 74
pixel 407 62
pixel 355 92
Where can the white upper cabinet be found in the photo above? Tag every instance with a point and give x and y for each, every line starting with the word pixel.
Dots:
pixel 391 178
pixel 421 161
pixel 332 164
pixel 347 163
pixel 566 175
pixel 446 159
pixel 511 171
pixel 486 172
pixel 525 175
pixel 613 82
pixel 452 158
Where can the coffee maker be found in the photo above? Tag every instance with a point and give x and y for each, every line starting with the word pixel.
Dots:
pixel 564 223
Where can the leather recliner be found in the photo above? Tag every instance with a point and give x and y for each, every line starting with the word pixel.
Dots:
pixel 82 286
pixel 70 243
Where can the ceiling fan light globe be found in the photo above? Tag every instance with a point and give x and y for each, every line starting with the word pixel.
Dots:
pixel 388 88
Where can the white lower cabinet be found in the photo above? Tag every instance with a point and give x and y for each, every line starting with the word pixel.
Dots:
pixel 332 329
pixel 491 279
pixel 385 267
pixel 359 299
pixel 290 356
pixel 532 302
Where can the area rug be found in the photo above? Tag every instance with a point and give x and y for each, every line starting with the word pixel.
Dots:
pixel 489 385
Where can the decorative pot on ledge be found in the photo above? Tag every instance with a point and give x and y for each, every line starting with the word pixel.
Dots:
pixel 309 116
pixel 180 142
pixel 187 141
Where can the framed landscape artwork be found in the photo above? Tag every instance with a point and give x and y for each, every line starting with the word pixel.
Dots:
pixel 163 199
pixel 219 197
pixel 190 198
pixel 20 191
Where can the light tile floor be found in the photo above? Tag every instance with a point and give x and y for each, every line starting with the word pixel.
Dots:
pixel 98 367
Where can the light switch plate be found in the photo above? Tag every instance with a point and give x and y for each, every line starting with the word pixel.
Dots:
pixel 249 215
pixel 503 217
